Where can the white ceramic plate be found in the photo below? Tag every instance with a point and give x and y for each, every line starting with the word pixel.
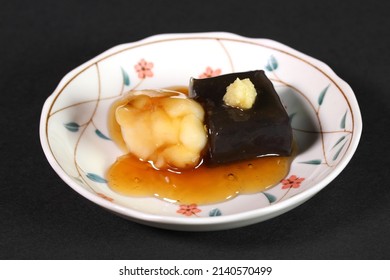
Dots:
pixel 323 109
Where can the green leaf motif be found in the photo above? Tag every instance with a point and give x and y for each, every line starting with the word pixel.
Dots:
pixel 338 152
pixel 72 126
pixel 322 95
pixel 101 135
pixel 215 212
pixel 343 120
pixel 338 141
pixel 313 162
pixel 96 178
pixel 126 79
pixel 271 198
pixel 272 64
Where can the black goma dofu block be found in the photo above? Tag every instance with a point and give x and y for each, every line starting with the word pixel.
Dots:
pixel 236 134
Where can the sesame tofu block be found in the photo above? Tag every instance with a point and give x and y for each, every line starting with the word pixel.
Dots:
pixel 235 133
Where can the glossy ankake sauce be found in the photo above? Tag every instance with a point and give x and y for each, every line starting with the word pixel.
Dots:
pixel 201 185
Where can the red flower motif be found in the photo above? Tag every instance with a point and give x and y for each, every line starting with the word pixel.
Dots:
pixel 292 182
pixel 188 210
pixel 144 69
pixel 105 197
pixel 209 72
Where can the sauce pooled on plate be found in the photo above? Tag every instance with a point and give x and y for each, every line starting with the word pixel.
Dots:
pixel 200 184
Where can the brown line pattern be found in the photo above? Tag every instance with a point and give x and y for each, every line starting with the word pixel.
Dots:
pixel 137 45
pixel 78 168
pixel 314 109
pixel 138 84
pixel 94 100
pixel 80 103
pixel 322 132
pixel 283 196
pixel 227 54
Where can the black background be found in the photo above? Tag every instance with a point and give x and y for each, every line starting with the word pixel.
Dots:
pixel 42 218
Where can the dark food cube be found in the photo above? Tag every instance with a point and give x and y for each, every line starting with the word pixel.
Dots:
pixel 235 134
